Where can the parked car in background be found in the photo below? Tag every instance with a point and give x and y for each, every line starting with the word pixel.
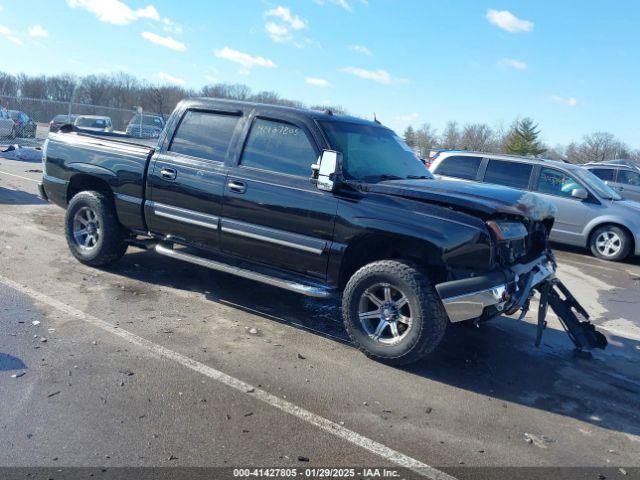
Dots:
pixel 7 127
pixel 94 123
pixel 622 178
pixel 24 126
pixel 60 120
pixel 626 162
pixel 590 213
pixel 145 126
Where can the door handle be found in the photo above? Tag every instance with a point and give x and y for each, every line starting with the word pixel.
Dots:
pixel 168 173
pixel 237 187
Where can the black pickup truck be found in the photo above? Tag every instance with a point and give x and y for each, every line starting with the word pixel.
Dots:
pixel 319 204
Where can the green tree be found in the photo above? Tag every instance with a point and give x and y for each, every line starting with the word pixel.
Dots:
pixel 410 137
pixel 524 139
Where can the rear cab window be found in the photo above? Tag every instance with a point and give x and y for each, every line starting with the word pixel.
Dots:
pixel 458 166
pixel 279 146
pixel 205 135
pixel 509 174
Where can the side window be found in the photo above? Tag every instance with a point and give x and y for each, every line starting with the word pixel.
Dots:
pixel 460 167
pixel 204 135
pixel 627 177
pixel 279 147
pixel 554 182
pixel 510 174
pixel 604 174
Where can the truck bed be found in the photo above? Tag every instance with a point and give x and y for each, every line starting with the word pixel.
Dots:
pixel 119 162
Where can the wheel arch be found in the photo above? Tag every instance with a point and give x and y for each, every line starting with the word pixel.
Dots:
pixel 82 182
pixel 374 246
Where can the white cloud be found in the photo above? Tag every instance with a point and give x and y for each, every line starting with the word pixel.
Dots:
pixel 115 11
pixel 283 24
pixel 380 76
pixel 167 42
pixel 9 35
pixel 508 21
pixel 360 49
pixel 512 63
pixel 317 82
pixel 278 33
pixel 344 4
pixel 568 101
pixel 286 16
pixel 244 59
pixel 38 32
pixel 409 118
pixel 165 77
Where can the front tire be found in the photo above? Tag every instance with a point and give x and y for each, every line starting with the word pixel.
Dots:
pixel 94 235
pixel 392 312
pixel 610 243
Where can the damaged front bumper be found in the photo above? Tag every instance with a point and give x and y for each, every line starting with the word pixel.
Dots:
pixel 509 291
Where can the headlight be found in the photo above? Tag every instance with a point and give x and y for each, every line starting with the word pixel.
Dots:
pixel 505 230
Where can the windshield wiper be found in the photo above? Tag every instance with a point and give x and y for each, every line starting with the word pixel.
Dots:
pixel 418 177
pixel 382 177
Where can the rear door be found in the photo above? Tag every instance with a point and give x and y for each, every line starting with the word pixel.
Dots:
pixel 186 181
pixel 272 214
pixel 628 184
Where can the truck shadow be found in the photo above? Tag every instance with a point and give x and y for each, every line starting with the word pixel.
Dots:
pixel 18 197
pixel 498 359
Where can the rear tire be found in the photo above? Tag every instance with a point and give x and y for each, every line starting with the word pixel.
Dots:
pixel 392 312
pixel 94 235
pixel 610 243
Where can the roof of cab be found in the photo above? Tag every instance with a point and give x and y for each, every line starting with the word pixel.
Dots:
pixel 207 102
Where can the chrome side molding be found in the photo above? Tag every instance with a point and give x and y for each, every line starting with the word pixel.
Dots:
pixel 293 286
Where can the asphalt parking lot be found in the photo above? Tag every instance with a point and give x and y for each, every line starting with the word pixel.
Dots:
pixel 153 362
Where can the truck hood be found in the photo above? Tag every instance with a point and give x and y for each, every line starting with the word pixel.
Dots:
pixel 468 196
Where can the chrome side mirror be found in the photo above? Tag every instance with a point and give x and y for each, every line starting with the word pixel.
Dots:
pixel 326 172
pixel 579 193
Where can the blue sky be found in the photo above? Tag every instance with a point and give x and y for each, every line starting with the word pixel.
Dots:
pixel 571 65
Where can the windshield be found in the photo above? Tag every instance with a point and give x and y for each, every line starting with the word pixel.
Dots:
pixel 148 120
pixel 602 189
pixel 373 153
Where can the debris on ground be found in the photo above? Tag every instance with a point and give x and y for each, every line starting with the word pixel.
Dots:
pixel 53 394
pixel 172 457
pixel 253 330
pixel 18 375
pixel 303 459
pixel 43 339
pixel 622 471
pixel 429 410
pixel 301 357
pixel 126 372
pixel 538 440
pixel 35 323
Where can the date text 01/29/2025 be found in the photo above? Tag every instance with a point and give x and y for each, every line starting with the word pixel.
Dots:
pixel 314 473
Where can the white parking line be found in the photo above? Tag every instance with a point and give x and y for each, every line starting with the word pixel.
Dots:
pixel 19 176
pixel 325 424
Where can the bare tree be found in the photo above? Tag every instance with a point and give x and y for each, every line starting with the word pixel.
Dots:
pixel 478 137
pixel 451 136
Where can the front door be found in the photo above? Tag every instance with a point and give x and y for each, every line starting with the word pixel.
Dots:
pixel 573 213
pixel 271 213
pixel 186 182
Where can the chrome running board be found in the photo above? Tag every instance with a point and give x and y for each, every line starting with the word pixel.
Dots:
pixel 309 290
